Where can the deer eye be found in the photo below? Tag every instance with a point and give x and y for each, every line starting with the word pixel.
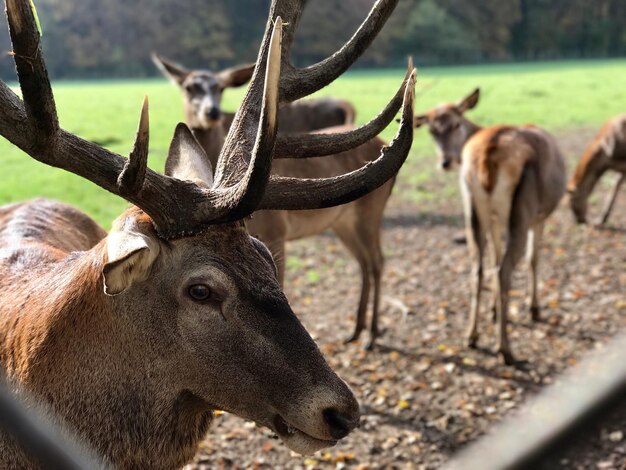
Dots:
pixel 199 292
pixel 194 88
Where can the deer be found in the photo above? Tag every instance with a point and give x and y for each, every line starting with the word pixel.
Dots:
pixel 202 92
pixel 357 224
pixel 606 152
pixel 131 339
pixel 512 178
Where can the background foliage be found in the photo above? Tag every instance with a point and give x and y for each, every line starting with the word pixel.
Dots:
pixel 114 38
pixel 563 97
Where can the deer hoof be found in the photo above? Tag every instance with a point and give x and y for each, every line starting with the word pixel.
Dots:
pixel 506 358
pixel 534 313
pixel 460 239
pixel 471 340
pixel 354 337
pixel 369 346
pixel 599 224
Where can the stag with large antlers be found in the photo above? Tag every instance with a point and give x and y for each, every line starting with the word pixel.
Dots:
pixel 131 339
pixel 512 179
pixel 357 224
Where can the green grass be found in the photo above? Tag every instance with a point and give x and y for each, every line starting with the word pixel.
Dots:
pixel 557 96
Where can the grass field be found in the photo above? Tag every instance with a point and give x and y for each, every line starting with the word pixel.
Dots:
pixel 558 96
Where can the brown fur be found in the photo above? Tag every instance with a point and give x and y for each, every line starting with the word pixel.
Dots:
pixel 593 152
pixel 485 155
pixel 607 151
pixel 498 149
pixel 137 375
pixel 308 115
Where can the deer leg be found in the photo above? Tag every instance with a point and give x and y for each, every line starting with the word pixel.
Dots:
pixel 524 208
pixel 514 252
pixel 363 301
pixel 534 242
pixel 358 251
pixel 476 242
pixel 496 255
pixel 611 199
pixel 377 271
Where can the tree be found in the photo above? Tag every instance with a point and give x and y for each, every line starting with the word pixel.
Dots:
pixel 432 35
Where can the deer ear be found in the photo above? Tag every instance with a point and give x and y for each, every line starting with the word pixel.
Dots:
pixel 469 102
pixel 236 76
pixel 187 160
pixel 130 257
pixel 172 71
pixel 419 121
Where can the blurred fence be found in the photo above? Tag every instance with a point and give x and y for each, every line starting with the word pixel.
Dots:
pixel 546 425
pixel 39 438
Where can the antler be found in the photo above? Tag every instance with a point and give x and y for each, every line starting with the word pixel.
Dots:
pixel 132 176
pixel 176 207
pixel 296 194
pixel 181 207
pixel 297 83
pixel 306 145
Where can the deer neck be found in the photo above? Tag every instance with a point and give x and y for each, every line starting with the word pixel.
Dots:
pixel 78 346
pixel 469 128
pixel 591 167
pixel 211 140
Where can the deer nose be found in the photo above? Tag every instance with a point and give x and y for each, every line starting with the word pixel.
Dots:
pixel 213 113
pixel 339 425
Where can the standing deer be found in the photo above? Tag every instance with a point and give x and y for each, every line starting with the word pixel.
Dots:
pixel 357 224
pixel 131 339
pixel 606 152
pixel 512 179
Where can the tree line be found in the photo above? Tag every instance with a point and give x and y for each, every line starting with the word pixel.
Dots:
pixel 114 38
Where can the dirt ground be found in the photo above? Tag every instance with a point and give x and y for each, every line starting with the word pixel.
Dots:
pixel 424 395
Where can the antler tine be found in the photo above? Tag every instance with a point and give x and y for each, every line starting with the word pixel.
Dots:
pixel 132 176
pixel 295 83
pixel 298 83
pixel 32 73
pixel 284 193
pixel 234 159
pixel 242 200
pixel 305 145
pixel 176 207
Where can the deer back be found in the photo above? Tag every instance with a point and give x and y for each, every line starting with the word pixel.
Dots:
pixel 495 158
pixel 292 225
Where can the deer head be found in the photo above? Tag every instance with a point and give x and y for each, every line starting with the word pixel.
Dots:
pixel 202 89
pixel 180 265
pixel 449 128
